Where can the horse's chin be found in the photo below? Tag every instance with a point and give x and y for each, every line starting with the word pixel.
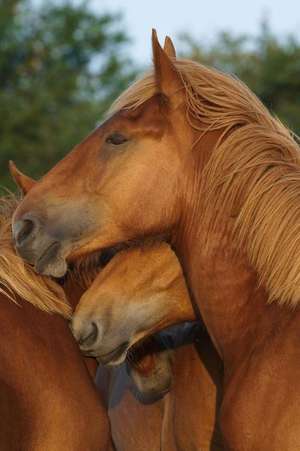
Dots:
pixel 114 357
pixel 52 262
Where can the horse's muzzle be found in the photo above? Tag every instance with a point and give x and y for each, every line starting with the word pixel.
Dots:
pixel 38 248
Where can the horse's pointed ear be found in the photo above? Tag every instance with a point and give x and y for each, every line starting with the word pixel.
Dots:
pixel 169 47
pixel 168 80
pixel 24 182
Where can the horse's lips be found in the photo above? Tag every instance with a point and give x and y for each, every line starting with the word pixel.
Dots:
pixel 51 262
pixel 114 356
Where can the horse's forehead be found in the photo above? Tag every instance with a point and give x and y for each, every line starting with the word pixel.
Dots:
pixel 115 122
pixel 142 125
pixel 147 111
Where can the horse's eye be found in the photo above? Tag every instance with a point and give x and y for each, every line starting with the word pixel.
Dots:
pixel 116 139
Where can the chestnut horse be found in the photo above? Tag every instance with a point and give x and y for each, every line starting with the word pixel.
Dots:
pixel 139 292
pixel 191 154
pixel 153 275
pixel 48 400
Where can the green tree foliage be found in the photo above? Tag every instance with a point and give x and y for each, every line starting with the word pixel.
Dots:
pixel 270 66
pixel 61 65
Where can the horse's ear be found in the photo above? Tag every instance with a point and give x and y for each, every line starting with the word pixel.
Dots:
pixel 168 80
pixel 24 182
pixel 169 47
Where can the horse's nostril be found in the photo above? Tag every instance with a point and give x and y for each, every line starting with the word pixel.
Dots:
pixel 89 335
pixel 22 230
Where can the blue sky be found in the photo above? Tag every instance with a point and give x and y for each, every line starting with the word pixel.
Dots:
pixel 202 18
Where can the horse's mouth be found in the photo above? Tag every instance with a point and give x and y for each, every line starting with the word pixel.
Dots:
pixel 114 357
pixel 51 261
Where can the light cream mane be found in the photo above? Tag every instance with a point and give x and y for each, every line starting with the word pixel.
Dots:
pixel 252 178
pixel 18 281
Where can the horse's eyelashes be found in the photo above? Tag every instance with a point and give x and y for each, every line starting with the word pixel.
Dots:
pixel 116 139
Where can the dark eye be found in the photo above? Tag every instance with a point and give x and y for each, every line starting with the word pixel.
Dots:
pixel 116 139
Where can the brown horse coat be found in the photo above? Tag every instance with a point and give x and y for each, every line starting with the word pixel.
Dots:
pixel 191 154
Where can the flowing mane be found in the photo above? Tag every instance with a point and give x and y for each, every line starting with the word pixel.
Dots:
pixel 252 178
pixel 17 278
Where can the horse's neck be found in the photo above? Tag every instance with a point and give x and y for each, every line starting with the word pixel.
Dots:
pixel 233 307
pixel 224 287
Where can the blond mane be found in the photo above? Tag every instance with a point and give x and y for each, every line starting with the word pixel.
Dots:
pixel 252 178
pixel 18 281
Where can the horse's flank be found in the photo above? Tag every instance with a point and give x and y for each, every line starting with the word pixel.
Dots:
pixel 252 175
pixel 17 278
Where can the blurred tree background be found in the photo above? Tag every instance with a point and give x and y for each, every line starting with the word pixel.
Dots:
pixel 61 65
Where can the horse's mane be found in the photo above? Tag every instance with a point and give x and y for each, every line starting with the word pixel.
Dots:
pixel 252 178
pixel 17 278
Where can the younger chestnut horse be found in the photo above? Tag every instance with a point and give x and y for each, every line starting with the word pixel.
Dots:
pixel 139 292
pixel 191 153
pixel 186 418
pixel 47 398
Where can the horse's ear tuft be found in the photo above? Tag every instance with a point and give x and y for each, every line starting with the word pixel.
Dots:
pixel 168 80
pixel 169 47
pixel 24 182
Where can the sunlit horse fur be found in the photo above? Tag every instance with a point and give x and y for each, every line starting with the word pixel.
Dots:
pixel 190 153
pixel 48 401
pixel 134 425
